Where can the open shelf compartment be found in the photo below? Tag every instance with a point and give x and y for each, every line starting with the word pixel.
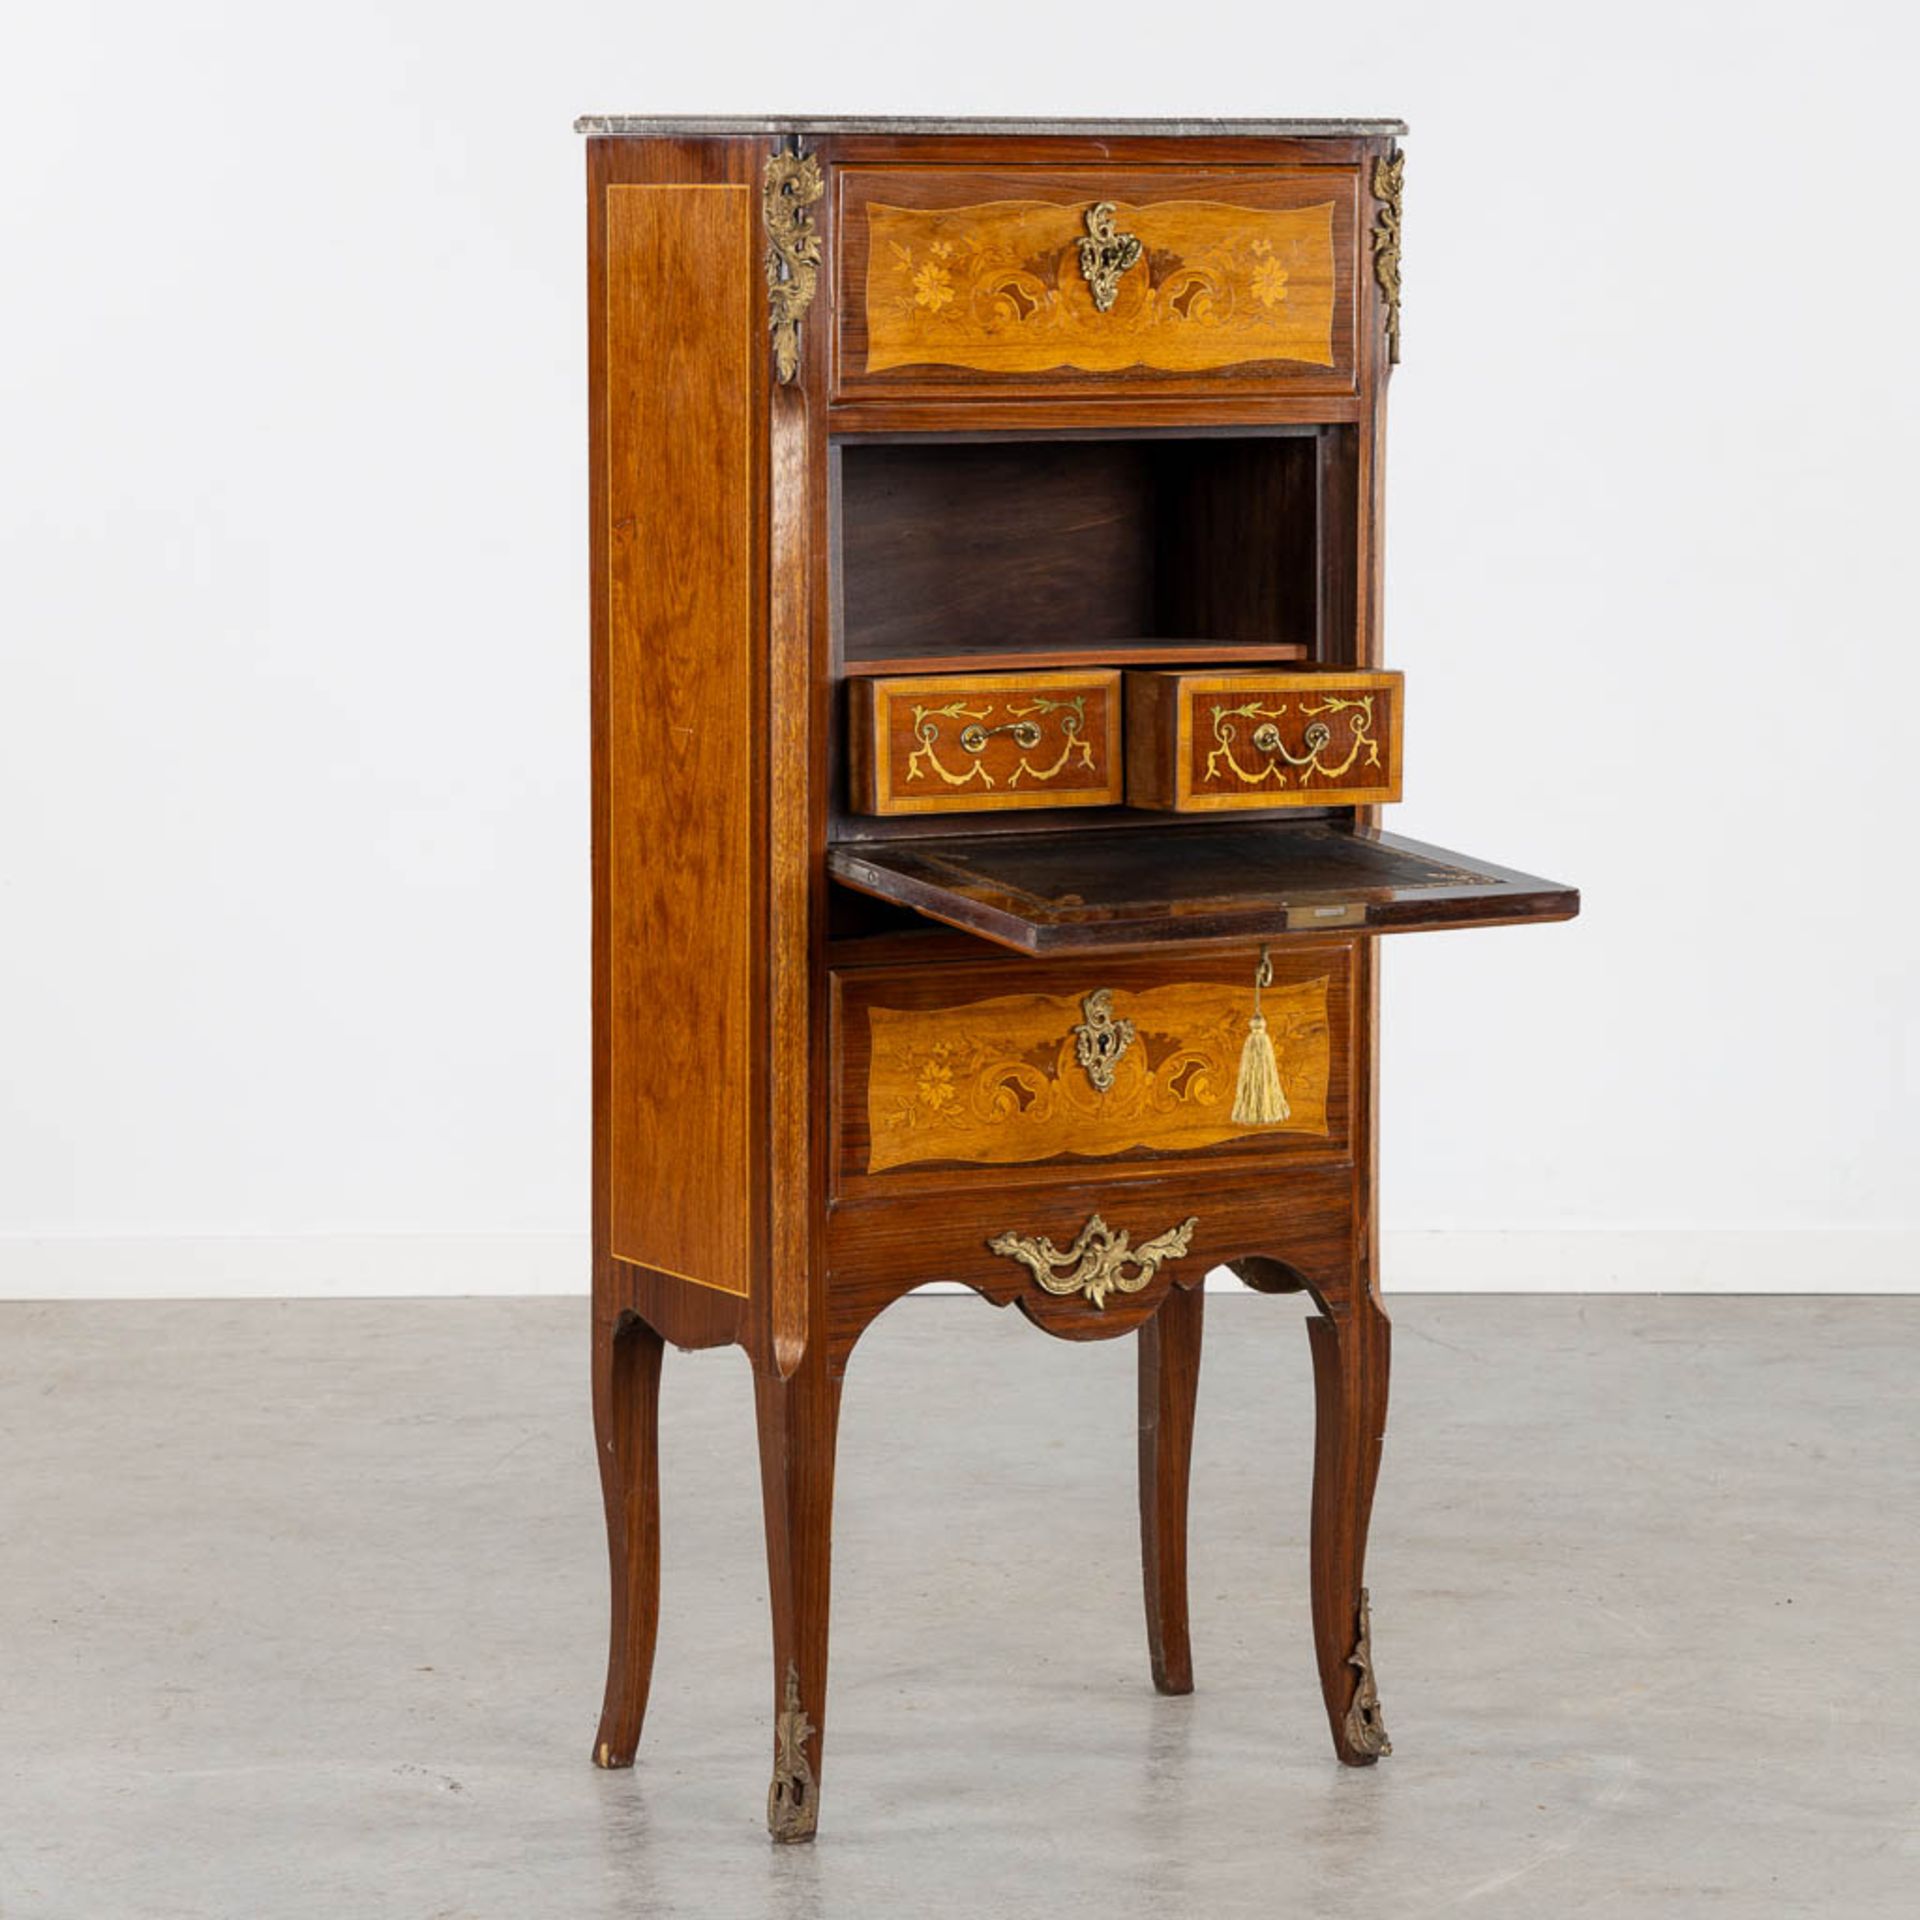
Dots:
pixel 972 554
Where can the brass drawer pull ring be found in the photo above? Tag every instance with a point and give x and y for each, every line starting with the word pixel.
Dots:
pixel 1097 1262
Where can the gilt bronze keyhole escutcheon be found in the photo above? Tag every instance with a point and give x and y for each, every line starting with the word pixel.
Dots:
pixel 1100 1039
pixel 1105 254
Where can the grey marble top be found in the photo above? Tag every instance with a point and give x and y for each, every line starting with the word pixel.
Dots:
pixel 669 126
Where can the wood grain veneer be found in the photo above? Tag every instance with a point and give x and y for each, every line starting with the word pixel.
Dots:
pixel 682 700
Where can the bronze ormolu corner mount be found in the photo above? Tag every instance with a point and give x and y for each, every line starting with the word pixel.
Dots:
pixel 1389 179
pixel 792 184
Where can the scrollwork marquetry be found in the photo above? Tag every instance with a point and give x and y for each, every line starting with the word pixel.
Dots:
pixel 947 743
pixel 1389 178
pixel 1100 1261
pixel 974 737
pixel 1268 738
pixel 791 185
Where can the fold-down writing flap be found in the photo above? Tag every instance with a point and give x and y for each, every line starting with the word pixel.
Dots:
pixel 1093 891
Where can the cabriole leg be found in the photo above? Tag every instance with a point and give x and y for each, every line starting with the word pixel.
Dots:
pixel 626 1424
pixel 1350 1370
pixel 1169 1384
pixel 798 1418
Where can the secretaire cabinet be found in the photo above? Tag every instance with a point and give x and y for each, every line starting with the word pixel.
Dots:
pixel 991 725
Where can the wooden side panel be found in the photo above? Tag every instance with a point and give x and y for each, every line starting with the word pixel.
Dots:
pixel 681 325
pixel 966 743
pixel 1207 742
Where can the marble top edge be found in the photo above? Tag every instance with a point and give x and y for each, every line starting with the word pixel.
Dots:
pixel 617 125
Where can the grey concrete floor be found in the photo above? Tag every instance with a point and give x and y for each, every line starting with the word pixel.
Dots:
pixel 302 1612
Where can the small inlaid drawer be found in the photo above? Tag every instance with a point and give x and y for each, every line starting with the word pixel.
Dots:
pixel 1099 277
pixel 1021 1064
pixel 979 742
pixel 1200 742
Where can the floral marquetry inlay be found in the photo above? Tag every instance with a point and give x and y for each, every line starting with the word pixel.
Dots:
pixel 1001 287
pixel 1001 1081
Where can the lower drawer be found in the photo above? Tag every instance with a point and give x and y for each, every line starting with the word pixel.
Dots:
pixel 1000 1064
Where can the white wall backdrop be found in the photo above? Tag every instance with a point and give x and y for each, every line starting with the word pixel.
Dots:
pixel 293 882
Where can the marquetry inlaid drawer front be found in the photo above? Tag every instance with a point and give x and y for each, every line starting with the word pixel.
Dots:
pixel 971 743
pixel 1202 742
pixel 1094 277
pixel 1022 1064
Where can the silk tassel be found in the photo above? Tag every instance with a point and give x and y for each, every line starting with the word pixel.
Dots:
pixel 1259 1099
